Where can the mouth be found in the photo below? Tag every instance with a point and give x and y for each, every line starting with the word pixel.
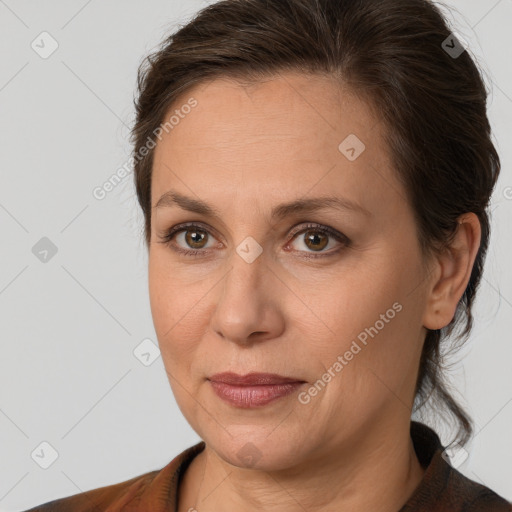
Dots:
pixel 253 389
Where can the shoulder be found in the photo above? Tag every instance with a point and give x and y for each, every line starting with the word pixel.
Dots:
pixel 112 497
pixel 155 491
pixel 470 495
pixel 444 488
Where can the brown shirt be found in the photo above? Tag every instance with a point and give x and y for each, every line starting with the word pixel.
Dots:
pixel 442 489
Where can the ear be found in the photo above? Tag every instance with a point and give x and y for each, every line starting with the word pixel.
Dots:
pixel 451 274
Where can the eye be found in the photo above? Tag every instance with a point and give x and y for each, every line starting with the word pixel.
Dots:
pixel 192 240
pixel 188 239
pixel 315 238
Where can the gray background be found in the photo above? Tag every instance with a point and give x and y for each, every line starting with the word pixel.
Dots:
pixel 70 325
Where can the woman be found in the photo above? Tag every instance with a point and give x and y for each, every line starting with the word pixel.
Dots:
pixel 314 176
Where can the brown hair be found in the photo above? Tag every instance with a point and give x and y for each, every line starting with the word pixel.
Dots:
pixel 388 52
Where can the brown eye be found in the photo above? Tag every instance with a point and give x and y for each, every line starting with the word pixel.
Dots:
pixel 188 239
pixel 195 238
pixel 192 240
pixel 316 240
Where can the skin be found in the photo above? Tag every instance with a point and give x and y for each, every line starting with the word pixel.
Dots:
pixel 243 150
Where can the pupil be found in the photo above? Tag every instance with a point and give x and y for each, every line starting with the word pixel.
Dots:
pixel 195 237
pixel 318 240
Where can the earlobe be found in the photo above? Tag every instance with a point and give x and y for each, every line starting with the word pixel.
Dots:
pixel 452 274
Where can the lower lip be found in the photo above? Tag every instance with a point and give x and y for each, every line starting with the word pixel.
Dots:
pixel 253 396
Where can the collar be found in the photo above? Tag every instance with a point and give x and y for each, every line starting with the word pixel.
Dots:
pixel 442 488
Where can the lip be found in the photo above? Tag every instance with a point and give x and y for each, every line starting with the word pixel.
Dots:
pixel 253 389
pixel 252 379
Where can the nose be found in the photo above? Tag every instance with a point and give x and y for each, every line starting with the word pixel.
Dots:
pixel 248 297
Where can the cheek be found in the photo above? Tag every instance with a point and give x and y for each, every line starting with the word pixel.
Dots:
pixel 374 323
pixel 353 299
pixel 176 311
pixel 172 294
pixel 181 307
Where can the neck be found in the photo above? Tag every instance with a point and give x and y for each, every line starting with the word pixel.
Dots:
pixel 375 470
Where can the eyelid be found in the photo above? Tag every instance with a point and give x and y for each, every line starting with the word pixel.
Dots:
pixel 167 236
pixel 322 228
pixel 184 226
pixel 188 225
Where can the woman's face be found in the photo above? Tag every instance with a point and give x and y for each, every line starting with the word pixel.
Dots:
pixel 340 311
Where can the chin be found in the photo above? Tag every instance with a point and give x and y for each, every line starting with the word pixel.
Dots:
pixel 252 448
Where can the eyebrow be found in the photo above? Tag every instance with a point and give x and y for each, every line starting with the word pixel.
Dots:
pixel 302 206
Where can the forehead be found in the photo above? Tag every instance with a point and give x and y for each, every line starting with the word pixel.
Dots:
pixel 290 103
pixel 287 133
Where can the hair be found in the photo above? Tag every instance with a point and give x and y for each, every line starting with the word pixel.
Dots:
pixel 388 52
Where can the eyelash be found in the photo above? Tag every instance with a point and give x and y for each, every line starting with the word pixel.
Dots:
pixel 172 232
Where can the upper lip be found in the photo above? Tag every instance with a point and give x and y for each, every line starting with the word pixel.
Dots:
pixel 252 379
